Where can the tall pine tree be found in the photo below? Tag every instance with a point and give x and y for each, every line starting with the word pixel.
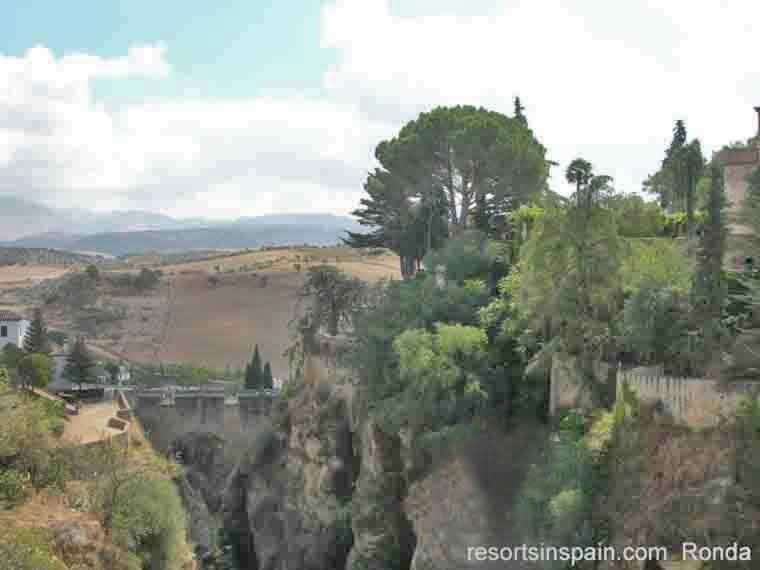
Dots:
pixel 36 341
pixel 79 363
pixel 519 115
pixel 267 381
pixel 710 288
pixel 254 374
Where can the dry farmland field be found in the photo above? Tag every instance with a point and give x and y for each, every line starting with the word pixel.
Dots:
pixel 207 312
pixel 13 276
pixel 218 324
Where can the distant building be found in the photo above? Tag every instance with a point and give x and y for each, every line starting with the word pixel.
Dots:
pixel 13 328
pixel 742 244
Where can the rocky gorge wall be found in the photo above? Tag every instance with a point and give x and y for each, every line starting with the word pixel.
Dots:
pixel 328 488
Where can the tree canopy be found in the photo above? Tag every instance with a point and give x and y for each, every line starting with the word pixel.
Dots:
pixel 79 363
pixel 36 341
pixel 452 167
pixel 333 295
pixel 676 182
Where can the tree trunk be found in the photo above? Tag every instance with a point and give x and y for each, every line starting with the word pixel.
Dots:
pixel 452 194
pixel 407 264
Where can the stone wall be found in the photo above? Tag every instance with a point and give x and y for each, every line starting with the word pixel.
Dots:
pixel 568 389
pixel 695 402
pixel 252 406
pixel 202 411
pixel 741 246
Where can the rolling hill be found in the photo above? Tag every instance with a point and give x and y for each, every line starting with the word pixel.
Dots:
pixel 27 224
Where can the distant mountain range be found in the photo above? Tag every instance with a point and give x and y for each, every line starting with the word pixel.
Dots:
pixel 24 223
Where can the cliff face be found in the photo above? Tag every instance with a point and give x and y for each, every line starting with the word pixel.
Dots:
pixel 327 490
pixel 202 457
pixel 288 499
pixel 467 500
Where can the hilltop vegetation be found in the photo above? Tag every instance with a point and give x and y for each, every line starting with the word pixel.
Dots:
pixel 64 506
pixel 502 279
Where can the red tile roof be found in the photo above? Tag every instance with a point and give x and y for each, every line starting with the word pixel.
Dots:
pixel 10 316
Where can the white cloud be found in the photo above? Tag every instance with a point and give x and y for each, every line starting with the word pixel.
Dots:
pixel 601 80
pixel 191 156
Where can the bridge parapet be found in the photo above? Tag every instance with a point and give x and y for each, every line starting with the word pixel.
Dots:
pixel 252 405
pixel 170 413
pixel 200 411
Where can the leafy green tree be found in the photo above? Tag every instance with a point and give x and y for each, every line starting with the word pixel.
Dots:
pixel 11 355
pixel 35 341
pixel 459 166
pixel 569 273
pixel 267 379
pixel 35 369
pixel 655 323
pixel 334 295
pixel 93 272
pixel 113 371
pixel 146 279
pixel 400 221
pixel 442 372
pixel 79 363
pixel 636 217
pixel 676 182
pixel 590 191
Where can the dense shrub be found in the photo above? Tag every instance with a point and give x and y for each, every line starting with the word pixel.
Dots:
pixel 655 323
pixel 152 523
pixel 636 217
pixel 464 258
pixel 556 502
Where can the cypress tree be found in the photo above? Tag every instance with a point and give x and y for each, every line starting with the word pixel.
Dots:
pixel 78 363
pixel 267 381
pixel 710 288
pixel 253 381
pixel 35 340
pixel 247 376
pixel 519 115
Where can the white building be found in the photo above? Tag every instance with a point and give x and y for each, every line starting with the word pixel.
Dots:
pixel 124 375
pixel 13 328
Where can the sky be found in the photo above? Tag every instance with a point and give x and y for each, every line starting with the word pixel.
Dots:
pixel 239 108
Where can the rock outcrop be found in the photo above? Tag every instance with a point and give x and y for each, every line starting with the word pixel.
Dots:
pixel 288 499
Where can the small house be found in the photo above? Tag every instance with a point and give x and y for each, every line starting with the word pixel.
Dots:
pixel 13 328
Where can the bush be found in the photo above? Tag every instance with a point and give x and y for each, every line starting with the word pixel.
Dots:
pixel 26 445
pixel 4 380
pixel 152 523
pixel 28 549
pixel 35 370
pixel 636 217
pixel 655 323
pixel 15 487
pixel 464 258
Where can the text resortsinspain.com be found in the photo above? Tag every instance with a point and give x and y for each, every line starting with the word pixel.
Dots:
pixel 605 553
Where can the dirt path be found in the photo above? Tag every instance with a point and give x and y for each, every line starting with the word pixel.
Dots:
pixel 91 424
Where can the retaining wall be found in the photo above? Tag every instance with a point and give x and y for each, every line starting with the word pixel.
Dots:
pixel 696 402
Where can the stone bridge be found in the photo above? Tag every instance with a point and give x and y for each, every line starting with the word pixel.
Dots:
pixel 167 414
